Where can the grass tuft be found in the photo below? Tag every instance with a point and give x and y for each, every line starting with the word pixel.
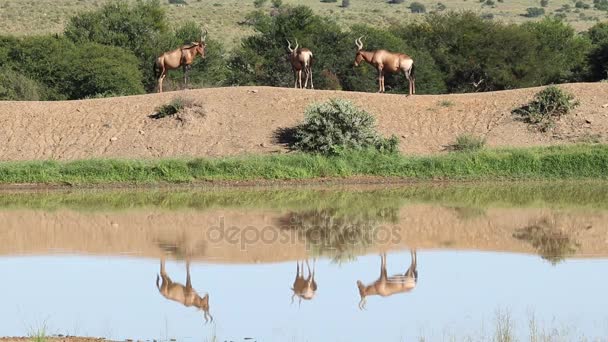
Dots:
pixel 468 143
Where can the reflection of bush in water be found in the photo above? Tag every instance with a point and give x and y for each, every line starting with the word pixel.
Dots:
pixel 331 232
pixel 552 244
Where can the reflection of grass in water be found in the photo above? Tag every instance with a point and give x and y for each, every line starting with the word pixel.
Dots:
pixel 340 235
pixel 38 334
pixel 477 196
pixel 507 328
pixel 552 244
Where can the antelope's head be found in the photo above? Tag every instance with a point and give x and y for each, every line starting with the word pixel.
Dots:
pixel 203 305
pixel 200 46
pixel 292 51
pixel 359 55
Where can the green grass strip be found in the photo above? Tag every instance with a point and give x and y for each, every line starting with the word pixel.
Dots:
pixel 540 163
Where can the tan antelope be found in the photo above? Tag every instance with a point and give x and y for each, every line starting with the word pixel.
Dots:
pixel 385 61
pixel 301 60
pixel 304 288
pixel 180 57
pixel 185 295
pixel 387 286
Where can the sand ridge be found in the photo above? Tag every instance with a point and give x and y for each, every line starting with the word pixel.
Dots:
pixel 244 120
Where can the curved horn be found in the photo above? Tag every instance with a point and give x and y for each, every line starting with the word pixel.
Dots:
pixel 359 43
pixel 297 44
pixel 203 37
pixel 289 47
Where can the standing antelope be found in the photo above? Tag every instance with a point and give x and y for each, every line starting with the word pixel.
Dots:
pixel 385 61
pixel 185 295
pixel 301 60
pixel 180 57
pixel 387 286
pixel 304 288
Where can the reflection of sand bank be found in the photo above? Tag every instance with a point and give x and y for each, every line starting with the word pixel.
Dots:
pixel 146 232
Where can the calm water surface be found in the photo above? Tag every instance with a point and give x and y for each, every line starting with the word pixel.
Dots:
pixel 459 259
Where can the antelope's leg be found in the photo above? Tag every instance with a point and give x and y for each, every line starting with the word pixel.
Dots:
pixel 188 280
pixel 305 78
pixel 163 272
pixel 384 273
pixel 185 76
pixel 311 87
pixel 163 73
pixel 409 80
pixel 295 77
pixel 300 78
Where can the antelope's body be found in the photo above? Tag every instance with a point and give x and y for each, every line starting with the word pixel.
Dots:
pixel 301 61
pixel 185 295
pixel 304 288
pixel 180 57
pixel 385 61
pixel 387 286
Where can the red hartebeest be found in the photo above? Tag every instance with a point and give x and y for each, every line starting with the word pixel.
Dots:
pixel 185 295
pixel 180 57
pixel 385 61
pixel 387 286
pixel 301 60
pixel 304 288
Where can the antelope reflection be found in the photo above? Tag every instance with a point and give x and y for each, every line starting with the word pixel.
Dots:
pixel 304 288
pixel 185 295
pixel 387 286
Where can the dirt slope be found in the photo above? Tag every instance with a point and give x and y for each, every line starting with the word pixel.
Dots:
pixel 243 120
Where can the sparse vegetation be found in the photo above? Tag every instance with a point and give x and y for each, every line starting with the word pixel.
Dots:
pixel 259 3
pixel 548 105
pixel 533 12
pixel 544 3
pixel 171 108
pixel 417 7
pixel 446 103
pixel 338 125
pixel 468 143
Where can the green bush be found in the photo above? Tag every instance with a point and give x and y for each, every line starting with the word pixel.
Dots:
pixel 338 125
pixel 259 3
pixel 601 5
pixel 75 71
pixel 277 3
pixel 544 3
pixel 548 105
pixel 345 3
pixel 468 143
pixel 417 7
pixel 561 53
pixel 598 56
pixel 18 87
pixel 533 12
pixel 175 106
